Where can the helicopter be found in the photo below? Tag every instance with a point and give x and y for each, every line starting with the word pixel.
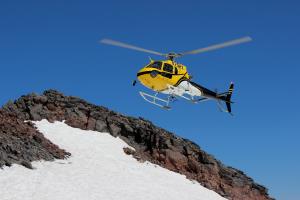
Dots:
pixel 172 79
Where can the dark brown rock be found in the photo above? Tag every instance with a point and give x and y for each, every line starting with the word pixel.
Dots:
pixel 128 151
pixel 101 126
pixel 21 143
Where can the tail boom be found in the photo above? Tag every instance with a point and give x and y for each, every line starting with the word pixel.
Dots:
pixel 225 97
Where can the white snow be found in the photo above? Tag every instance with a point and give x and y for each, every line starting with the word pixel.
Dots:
pixel 97 170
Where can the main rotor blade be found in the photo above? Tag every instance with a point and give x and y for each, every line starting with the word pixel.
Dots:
pixel 219 46
pixel 128 46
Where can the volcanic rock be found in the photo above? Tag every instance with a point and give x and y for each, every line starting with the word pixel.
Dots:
pixel 21 143
pixel 150 142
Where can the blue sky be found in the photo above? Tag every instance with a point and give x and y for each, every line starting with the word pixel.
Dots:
pixel 53 44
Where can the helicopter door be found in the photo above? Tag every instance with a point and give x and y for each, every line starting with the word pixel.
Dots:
pixel 155 65
pixel 168 70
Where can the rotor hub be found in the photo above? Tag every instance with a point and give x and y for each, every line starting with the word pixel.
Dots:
pixel 173 55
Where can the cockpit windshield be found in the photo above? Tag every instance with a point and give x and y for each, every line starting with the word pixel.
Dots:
pixel 156 65
pixel 168 68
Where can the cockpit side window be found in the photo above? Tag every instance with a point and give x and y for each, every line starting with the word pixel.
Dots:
pixel 168 68
pixel 156 65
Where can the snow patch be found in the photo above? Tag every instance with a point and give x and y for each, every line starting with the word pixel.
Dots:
pixel 97 169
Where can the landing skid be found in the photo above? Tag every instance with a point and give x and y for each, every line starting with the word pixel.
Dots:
pixel 153 99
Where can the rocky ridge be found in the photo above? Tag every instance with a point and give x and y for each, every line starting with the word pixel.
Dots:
pixel 150 142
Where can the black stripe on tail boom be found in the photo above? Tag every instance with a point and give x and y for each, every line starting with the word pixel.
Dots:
pixel 226 96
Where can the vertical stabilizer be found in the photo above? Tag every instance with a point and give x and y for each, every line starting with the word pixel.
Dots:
pixel 228 97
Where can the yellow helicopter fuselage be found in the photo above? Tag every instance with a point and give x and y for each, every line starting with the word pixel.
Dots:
pixel 159 75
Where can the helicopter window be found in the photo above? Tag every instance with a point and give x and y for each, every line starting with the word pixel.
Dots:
pixel 156 65
pixel 168 68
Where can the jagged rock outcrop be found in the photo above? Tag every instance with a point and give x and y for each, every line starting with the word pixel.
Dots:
pixel 150 142
pixel 21 143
